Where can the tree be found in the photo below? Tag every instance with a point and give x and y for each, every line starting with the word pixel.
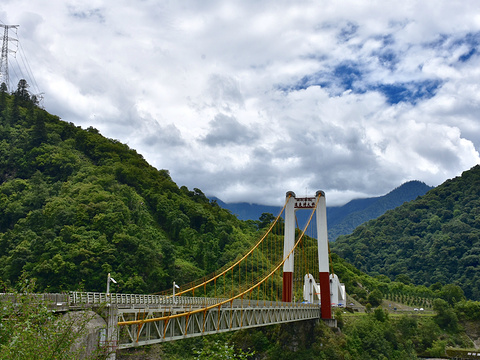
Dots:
pixel 375 298
pixel 452 294
pixel 3 99
pixel 380 314
pixel 34 100
pixel 445 317
pixel 265 220
pixel 403 278
pixel 22 90
pixel 39 134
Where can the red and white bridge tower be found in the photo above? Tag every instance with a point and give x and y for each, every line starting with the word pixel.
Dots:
pixel 294 204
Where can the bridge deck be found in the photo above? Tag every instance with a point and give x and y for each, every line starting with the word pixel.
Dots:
pixel 150 319
pixel 175 322
pixel 165 318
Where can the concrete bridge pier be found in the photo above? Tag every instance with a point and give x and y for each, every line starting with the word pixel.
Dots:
pixel 111 336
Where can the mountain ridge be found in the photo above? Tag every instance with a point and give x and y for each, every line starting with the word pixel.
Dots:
pixel 341 220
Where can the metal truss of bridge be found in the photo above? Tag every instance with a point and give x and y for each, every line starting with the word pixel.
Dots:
pixel 138 315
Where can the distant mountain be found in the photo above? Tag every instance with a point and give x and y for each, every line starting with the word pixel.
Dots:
pixel 344 219
pixel 433 239
pixel 247 211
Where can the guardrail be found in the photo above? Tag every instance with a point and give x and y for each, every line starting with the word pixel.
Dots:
pixel 76 299
pixel 92 298
pixel 47 297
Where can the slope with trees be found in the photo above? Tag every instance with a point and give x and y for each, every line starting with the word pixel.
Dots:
pixel 433 239
pixel 75 206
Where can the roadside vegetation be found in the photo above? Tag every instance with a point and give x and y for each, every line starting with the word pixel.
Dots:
pixel 31 329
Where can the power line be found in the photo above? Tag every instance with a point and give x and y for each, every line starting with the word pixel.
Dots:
pixel 28 68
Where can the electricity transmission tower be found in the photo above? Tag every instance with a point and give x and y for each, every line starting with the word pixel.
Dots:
pixel 4 78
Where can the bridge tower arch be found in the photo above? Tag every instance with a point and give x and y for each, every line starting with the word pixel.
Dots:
pixel 294 204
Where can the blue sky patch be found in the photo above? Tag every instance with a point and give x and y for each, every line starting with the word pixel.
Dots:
pixel 439 42
pixel 468 55
pixel 408 92
pixel 387 58
pixel 347 75
pixel 470 40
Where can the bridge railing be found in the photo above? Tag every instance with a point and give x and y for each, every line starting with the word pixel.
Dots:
pixel 53 301
pixel 47 297
pixel 94 298
pixel 76 298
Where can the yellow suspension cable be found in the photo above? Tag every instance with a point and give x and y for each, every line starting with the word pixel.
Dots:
pixel 263 281
pixel 192 288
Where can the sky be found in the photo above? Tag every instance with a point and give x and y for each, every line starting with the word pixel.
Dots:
pixel 246 100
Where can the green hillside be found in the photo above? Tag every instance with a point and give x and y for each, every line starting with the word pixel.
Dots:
pixel 433 239
pixel 75 205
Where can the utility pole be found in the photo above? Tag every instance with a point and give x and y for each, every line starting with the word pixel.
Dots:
pixel 4 78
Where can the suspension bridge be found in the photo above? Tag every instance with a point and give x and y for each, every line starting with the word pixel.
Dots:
pixel 285 277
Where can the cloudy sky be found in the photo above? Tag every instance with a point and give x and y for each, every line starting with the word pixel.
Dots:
pixel 249 99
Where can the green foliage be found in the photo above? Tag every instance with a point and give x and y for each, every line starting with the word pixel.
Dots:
pixel 29 330
pixel 468 310
pixel 433 239
pixel 445 317
pixel 75 206
pixel 265 220
pixel 216 350
pixel 452 294
pixel 375 298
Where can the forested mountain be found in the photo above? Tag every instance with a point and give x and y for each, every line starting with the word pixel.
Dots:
pixel 343 219
pixel 433 239
pixel 75 205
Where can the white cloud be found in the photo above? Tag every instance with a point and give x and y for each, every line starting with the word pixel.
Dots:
pixel 247 100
